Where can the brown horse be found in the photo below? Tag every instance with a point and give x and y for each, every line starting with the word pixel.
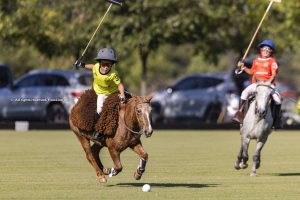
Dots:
pixel 134 120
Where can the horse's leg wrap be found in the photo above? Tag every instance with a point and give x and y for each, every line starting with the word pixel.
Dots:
pixel 112 172
pixel 142 166
pixel 140 169
pixel 256 160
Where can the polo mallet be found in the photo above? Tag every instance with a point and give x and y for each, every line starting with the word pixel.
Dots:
pixel 238 70
pixel 116 2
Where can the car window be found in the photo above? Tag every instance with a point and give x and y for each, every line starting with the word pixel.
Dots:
pixel 186 84
pixel 29 81
pixel 44 80
pixel 48 80
pixel 61 81
pixel 86 79
pixel 197 83
pixel 206 82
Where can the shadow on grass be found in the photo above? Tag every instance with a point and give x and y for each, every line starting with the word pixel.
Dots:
pixel 166 185
pixel 287 174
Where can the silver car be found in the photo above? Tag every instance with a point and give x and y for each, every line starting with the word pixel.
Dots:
pixel 205 97
pixel 42 95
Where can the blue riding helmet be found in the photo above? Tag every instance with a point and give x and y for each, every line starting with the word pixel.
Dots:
pixel 107 54
pixel 268 43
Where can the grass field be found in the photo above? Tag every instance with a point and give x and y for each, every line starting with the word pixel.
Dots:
pixel 182 165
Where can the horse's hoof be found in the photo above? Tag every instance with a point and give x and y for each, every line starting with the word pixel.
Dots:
pixel 101 180
pixel 137 176
pixel 243 165
pixel 253 174
pixel 237 166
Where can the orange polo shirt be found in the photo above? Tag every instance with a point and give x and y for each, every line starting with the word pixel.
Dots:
pixel 262 68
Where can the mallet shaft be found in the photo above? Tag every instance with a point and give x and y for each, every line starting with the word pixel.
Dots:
pixel 96 30
pixel 258 27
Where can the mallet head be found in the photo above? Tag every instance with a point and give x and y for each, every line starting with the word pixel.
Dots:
pixel 277 1
pixel 116 2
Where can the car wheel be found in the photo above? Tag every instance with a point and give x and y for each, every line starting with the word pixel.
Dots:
pixel 56 113
pixel 212 113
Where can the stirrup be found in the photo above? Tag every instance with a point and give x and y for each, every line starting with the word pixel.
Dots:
pixel 98 136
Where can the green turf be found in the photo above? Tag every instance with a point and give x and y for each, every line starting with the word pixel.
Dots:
pixel 182 165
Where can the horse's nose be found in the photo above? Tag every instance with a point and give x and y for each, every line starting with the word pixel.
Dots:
pixel 262 113
pixel 148 132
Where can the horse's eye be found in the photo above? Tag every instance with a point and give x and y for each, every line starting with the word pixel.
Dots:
pixel 139 111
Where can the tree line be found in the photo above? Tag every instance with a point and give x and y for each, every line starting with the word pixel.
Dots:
pixel 156 41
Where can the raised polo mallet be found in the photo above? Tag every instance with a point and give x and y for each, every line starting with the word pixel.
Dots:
pixel 238 71
pixel 116 2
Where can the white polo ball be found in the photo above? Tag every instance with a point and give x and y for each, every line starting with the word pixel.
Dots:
pixel 146 188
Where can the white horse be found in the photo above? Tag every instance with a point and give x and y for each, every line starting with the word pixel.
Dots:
pixel 257 125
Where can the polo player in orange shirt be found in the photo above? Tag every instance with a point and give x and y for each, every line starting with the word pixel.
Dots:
pixel 264 68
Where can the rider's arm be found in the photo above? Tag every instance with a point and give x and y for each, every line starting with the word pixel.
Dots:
pixel 274 73
pixel 241 65
pixel 274 70
pixel 121 90
pixel 89 66
pixel 248 71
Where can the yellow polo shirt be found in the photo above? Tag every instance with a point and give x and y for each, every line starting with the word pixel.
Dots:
pixel 298 105
pixel 105 84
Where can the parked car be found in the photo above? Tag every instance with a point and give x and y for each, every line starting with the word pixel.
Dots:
pixel 288 93
pixel 5 75
pixel 41 95
pixel 204 97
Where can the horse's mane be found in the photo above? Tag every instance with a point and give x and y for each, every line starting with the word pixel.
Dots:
pixel 83 113
pixel 109 116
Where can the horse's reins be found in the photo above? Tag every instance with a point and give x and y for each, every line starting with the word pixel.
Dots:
pixel 268 86
pixel 129 129
pixel 289 98
pixel 265 86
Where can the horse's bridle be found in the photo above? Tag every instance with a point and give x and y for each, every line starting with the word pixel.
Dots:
pixel 129 129
pixel 269 86
pixel 257 85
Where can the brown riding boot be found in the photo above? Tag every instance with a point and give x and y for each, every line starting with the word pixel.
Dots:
pixel 239 115
pixel 97 135
pixel 96 117
pixel 277 123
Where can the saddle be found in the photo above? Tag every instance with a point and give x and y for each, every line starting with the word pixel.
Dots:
pixel 82 114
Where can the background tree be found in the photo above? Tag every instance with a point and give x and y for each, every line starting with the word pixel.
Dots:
pixel 156 41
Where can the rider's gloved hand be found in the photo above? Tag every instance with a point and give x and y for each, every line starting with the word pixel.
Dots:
pixel 241 64
pixel 79 64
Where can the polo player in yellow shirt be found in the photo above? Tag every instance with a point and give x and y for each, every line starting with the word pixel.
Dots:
pixel 106 81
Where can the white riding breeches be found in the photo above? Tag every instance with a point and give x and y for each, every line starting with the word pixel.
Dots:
pixel 252 88
pixel 100 100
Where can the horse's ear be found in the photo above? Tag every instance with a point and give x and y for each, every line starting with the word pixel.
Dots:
pixel 150 96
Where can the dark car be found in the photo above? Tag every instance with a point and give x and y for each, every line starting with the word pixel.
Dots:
pixel 201 97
